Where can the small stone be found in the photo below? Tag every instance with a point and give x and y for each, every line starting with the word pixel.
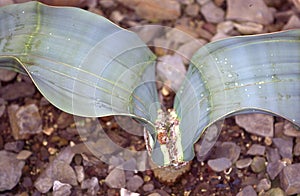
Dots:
pixel 249 11
pixel 148 187
pixel 290 179
pixel 59 169
pixel 259 124
pixel 16 146
pixel 275 192
pixel 6 75
pixel 263 185
pixel 134 183
pixel 116 16
pixel 219 164
pixel 293 23
pixel 79 170
pixel 125 192
pixel 258 164
pixel 248 28
pixel 188 49
pixel 64 120
pixel 2 106
pixel 61 189
pixel 153 10
pixel 219 36
pixel 247 191
pixel 297 4
pixel 116 178
pixel 17 90
pixel 268 141
pixel 256 149
pixel 171 70
pixel 228 150
pixel 212 13
pixel 297 149
pixel 274 168
pixel 202 2
pixel 24 120
pixel 225 27
pixel 285 147
pixel 10 170
pixel 24 154
pixel 290 130
pixel 243 163
pixel 92 185
pixel 272 155
pixel 192 9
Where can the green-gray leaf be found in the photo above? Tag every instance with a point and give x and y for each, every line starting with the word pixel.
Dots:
pixel 240 75
pixel 81 62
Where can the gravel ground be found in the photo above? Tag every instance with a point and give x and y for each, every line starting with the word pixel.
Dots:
pixel 255 154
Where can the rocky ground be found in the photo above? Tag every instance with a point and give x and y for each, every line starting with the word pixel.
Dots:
pixel 255 154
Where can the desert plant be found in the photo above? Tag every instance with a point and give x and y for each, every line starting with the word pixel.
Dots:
pixel 87 66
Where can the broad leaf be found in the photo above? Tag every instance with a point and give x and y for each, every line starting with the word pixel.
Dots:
pixel 81 62
pixel 239 75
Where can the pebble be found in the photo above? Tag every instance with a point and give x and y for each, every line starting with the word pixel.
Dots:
pixel 275 192
pixel 290 179
pixel 202 2
pixel 59 169
pixel 274 168
pixel 61 189
pixel 188 49
pixel 219 164
pixel 249 11
pixel 79 170
pixel 219 36
pixel 64 120
pixel 192 9
pixel 263 185
pixel 24 154
pixel 154 194
pixel 154 10
pixel 24 120
pixel 212 13
pixel 297 149
pixel 272 155
pixel 225 27
pixel 17 90
pixel 10 170
pixel 116 178
pixel 92 186
pixel 125 192
pixel 2 106
pixel 134 183
pixel 290 130
pixel 148 187
pixel 6 75
pixel 258 164
pixel 285 147
pixel 171 70
pixel 293 23
pixel 297 4
pixel 229 150
pixel 116 16
pixel 247 191
pixel 243 163
pixel 256 149
pixel 16 146
pixel 263 125
pixel 248 28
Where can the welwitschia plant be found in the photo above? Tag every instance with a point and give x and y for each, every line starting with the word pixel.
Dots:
pixel 87 66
